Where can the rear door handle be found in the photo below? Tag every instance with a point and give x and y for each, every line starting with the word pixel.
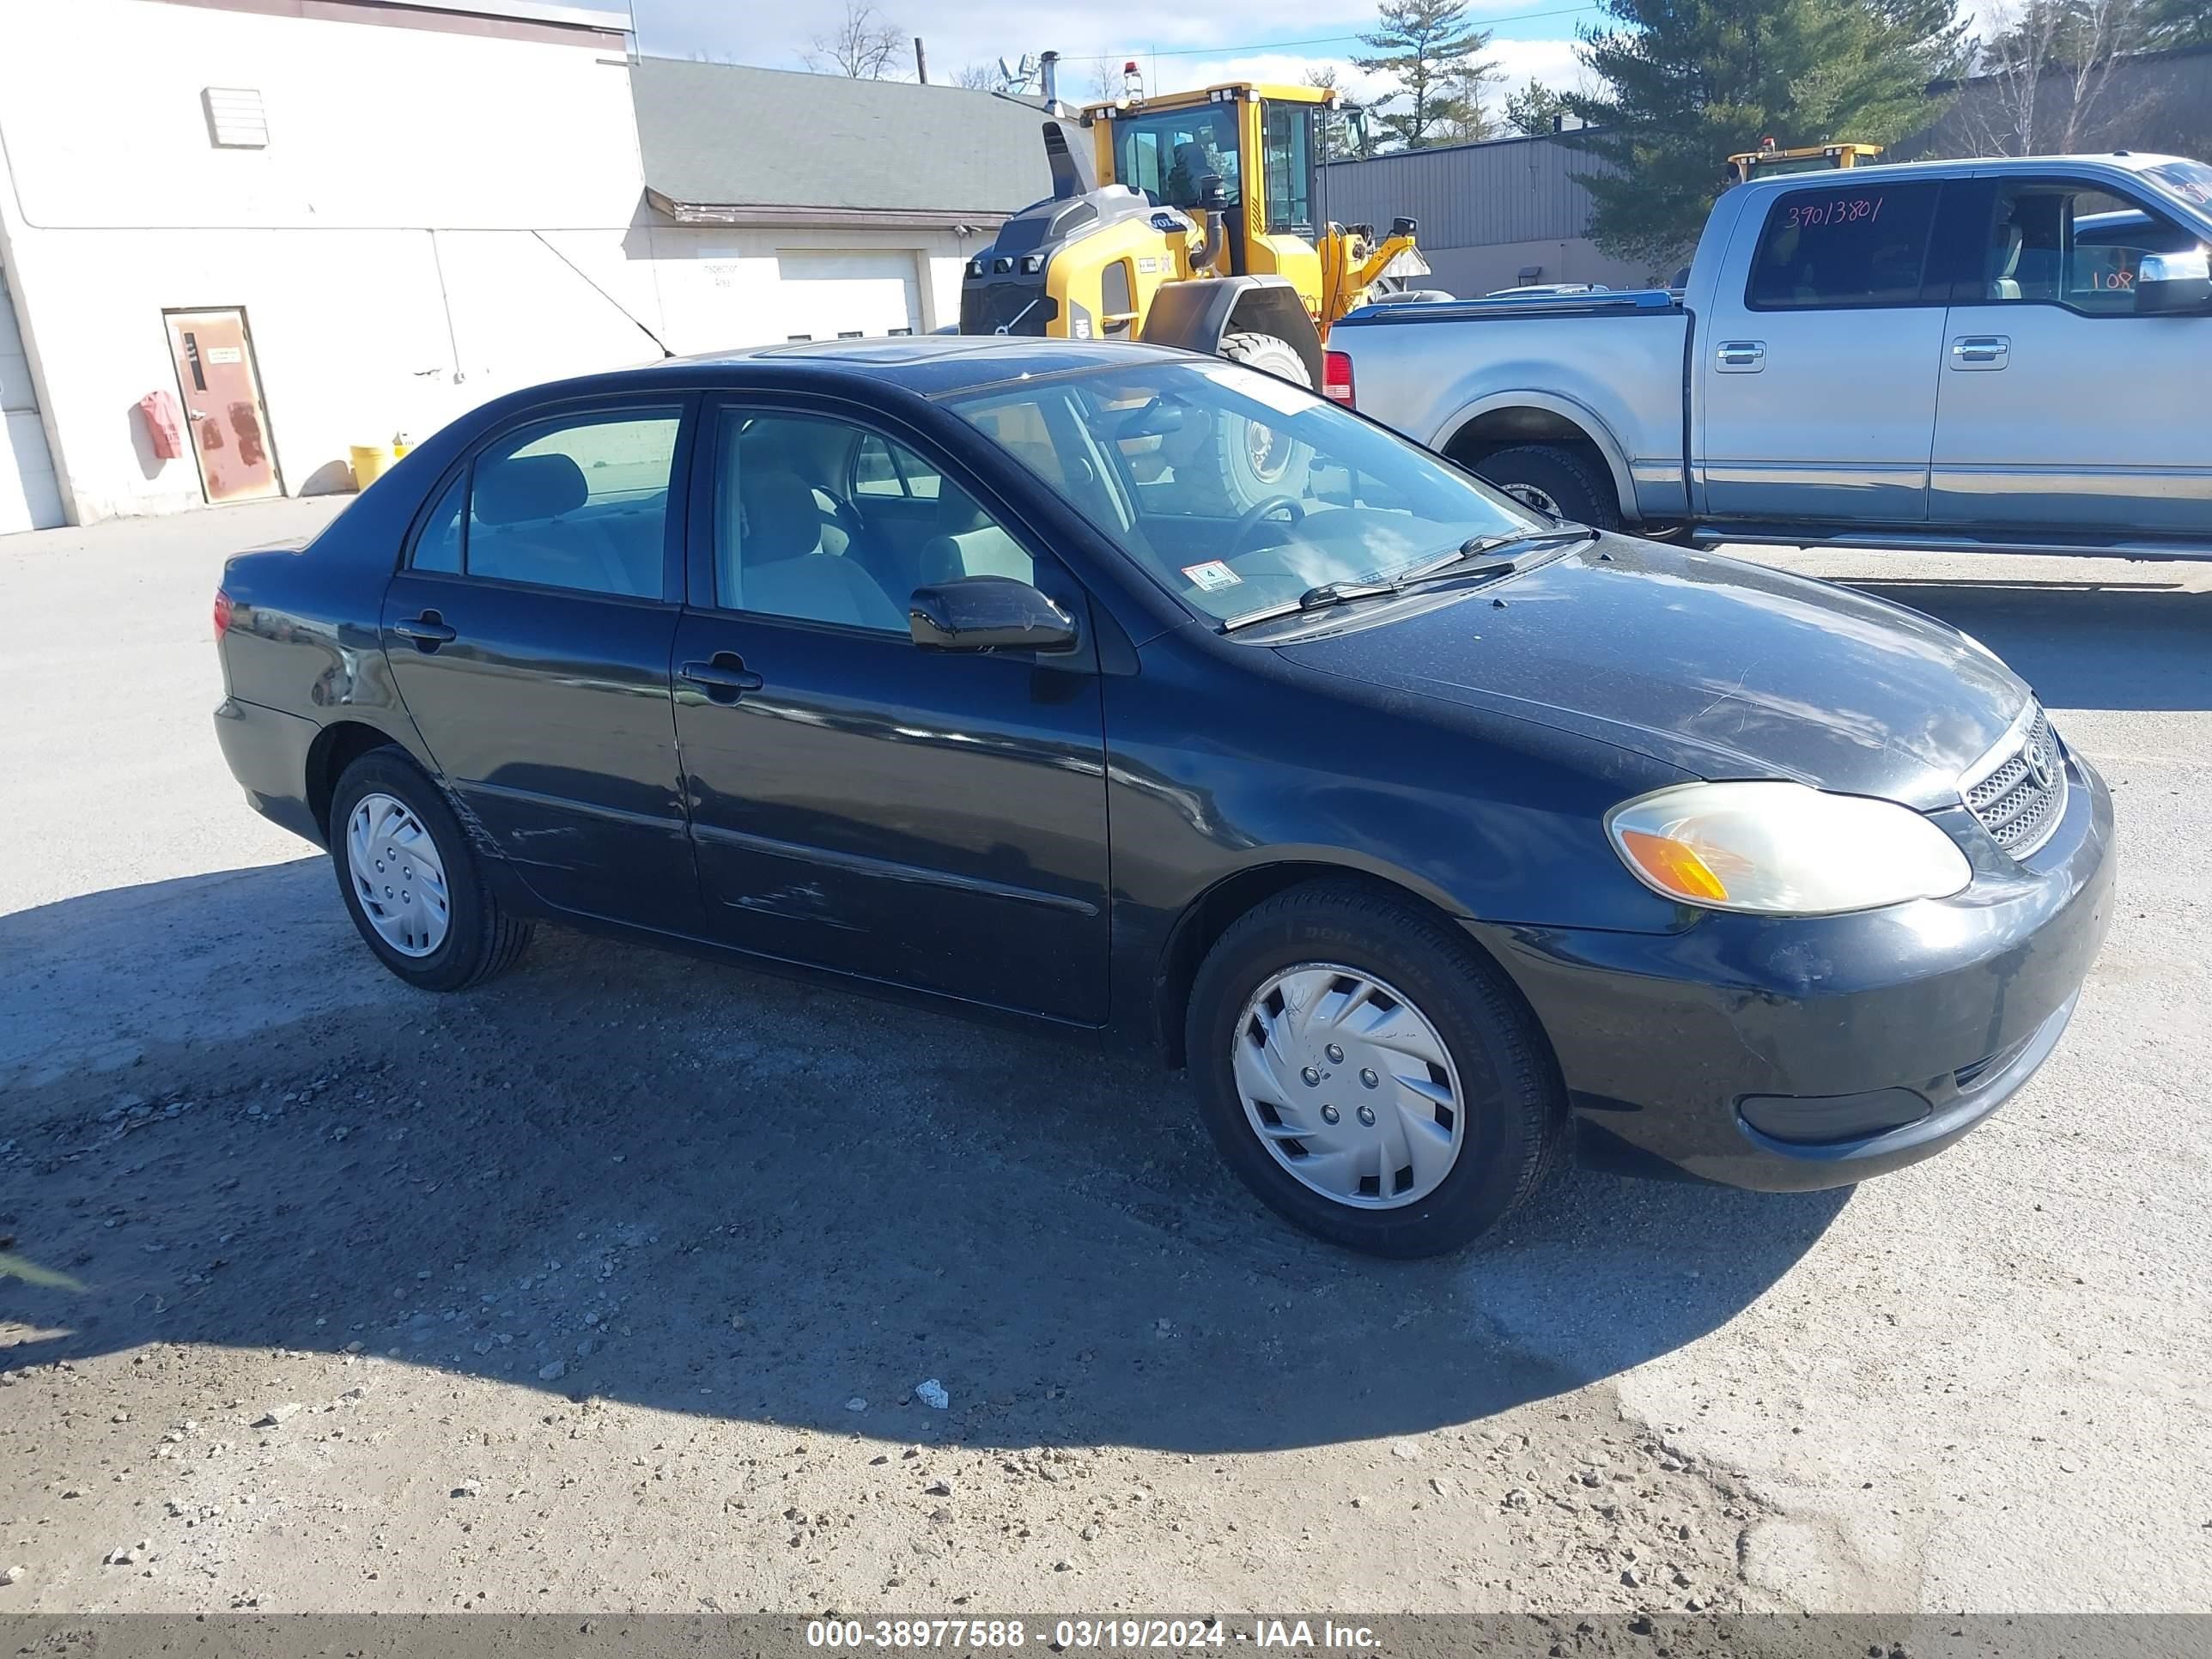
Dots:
pixel 1740 356
pixel 725 680
pixel 428 631
pixel 1981 351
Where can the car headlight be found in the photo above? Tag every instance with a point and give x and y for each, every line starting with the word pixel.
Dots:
pixel 1782 849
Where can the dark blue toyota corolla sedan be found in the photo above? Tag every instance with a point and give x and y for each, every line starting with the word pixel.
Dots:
pixel 1143 695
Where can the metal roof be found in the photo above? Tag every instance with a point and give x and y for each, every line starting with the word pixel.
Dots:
pixel 728 143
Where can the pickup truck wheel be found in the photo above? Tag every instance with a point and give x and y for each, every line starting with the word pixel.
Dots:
pixel 1556 481
pixel 410 880
pixel 1369 1073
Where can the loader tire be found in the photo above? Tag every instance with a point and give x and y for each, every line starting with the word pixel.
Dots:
pixel 1245 462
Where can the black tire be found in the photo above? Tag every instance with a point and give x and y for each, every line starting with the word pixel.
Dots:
pixel 1576 485
pixel 1510 1083
pixel 1225 465
pixel 481 939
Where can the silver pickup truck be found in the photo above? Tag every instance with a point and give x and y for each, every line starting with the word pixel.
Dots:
pixel 2002 354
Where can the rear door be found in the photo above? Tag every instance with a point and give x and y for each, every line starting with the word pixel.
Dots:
pixel 529 633
pixel 2062 407
pixel 1817 372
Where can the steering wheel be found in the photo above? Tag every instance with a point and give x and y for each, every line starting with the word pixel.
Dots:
pixel 1254 515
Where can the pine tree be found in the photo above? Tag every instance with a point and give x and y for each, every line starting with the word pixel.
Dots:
pixel 1429 49
pixel 1534 109
pixel 1689 82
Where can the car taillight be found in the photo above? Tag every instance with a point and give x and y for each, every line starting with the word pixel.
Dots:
pixel 221 613
pixel 1336 379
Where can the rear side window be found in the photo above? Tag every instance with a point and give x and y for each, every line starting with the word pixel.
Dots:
pixel 1844 246
pixel 580 503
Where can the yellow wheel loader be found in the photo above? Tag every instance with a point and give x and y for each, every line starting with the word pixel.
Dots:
pixel 1192 223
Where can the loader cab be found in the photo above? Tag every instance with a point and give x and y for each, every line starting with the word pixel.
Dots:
pixel 1259 142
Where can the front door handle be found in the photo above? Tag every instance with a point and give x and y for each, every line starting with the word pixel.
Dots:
pixel 1740 356
pixel 1981 351
pixel 725 680
pixel 428 631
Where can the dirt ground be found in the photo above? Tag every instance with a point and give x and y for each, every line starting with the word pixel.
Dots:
pixel 628 1281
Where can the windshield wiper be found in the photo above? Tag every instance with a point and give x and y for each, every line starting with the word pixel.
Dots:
pixel 1470 558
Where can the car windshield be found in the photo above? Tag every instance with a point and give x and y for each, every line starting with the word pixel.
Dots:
pixel 2188 182
pixel 1235 491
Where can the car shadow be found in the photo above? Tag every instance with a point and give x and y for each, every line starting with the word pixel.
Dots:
pixel 2136 642
pixel 648 1177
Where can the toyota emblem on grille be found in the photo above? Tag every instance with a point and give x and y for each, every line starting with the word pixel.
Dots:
pixel 2039 766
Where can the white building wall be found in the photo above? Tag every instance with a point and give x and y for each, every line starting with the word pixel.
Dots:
pixel 397 247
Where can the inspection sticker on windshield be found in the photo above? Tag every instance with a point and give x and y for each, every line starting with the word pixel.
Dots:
pixel 1212 575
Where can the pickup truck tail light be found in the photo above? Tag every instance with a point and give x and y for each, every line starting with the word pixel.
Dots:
pixel 1336 379
pixel 221 613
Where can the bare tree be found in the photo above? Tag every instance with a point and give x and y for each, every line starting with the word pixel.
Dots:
pixel 2044 69
pixel 863 48
pixel 978 77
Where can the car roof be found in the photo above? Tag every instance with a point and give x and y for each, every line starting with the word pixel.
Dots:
pixel 925 365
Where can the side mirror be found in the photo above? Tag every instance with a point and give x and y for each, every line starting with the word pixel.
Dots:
pixel 987 613
pixel 2173 283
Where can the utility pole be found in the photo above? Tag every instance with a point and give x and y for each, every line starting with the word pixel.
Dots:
pixel 920 63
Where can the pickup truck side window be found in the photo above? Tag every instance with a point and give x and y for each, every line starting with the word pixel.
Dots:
pixel 1844 246
pixel 2068 245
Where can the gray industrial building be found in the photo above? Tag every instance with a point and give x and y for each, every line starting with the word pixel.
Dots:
pixel 1499 213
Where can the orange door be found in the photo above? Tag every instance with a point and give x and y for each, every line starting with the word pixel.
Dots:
pixel 222 404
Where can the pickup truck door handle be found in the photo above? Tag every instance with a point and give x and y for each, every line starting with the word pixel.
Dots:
pixel 1982 351
pixel 725 680
pixel 1740 356
pixel 428 631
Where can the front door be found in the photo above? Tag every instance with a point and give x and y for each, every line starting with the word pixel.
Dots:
pixel 222 406
pixel 529 635
pixel 1817 380
pixel 2062 406
pixel 936 821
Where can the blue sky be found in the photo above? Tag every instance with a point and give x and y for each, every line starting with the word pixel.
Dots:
pixel 1177 43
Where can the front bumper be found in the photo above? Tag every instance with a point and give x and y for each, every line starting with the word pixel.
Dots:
pixel 1785 1055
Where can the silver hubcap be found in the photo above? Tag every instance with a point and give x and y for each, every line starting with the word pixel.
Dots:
pixel 1348 1086
pixel 397 875
pixel 1530 495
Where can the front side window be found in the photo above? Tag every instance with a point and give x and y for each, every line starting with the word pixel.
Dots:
pixel 1170 154
pixel 789 542
pixel 1233 489
pixel 580 502
pixel 2064 244
pixel 1844 246
pixel 1287 131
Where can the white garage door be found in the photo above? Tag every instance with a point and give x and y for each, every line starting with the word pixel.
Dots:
pixel 826 296
pixel 29 498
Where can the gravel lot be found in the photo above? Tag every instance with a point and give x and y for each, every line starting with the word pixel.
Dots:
pixel 614 1284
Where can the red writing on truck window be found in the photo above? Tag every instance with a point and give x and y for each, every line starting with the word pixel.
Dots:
pixel 1837 210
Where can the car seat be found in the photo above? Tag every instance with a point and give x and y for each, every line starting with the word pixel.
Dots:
pixel 781 567
pixel 969 544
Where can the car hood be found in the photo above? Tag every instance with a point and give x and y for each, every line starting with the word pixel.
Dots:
pixel 1724 669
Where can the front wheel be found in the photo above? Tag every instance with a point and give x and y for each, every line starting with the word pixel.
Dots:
pixel 1369 1074
pixel 410 880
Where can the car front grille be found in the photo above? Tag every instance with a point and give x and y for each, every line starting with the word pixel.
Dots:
pixel 2021 795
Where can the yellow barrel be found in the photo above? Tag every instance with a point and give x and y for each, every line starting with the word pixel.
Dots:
pixel 371 461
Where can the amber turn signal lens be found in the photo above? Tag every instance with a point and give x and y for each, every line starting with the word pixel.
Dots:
pixel 1672 867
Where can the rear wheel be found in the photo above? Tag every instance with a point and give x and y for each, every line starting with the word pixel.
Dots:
pixel 1554 480
pixel 1369 1074
pixel 411 882
pixel 1242 460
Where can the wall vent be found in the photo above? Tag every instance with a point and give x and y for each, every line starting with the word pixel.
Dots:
pixel 235 118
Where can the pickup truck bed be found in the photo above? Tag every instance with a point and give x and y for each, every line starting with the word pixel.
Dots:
pixel 2002 355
